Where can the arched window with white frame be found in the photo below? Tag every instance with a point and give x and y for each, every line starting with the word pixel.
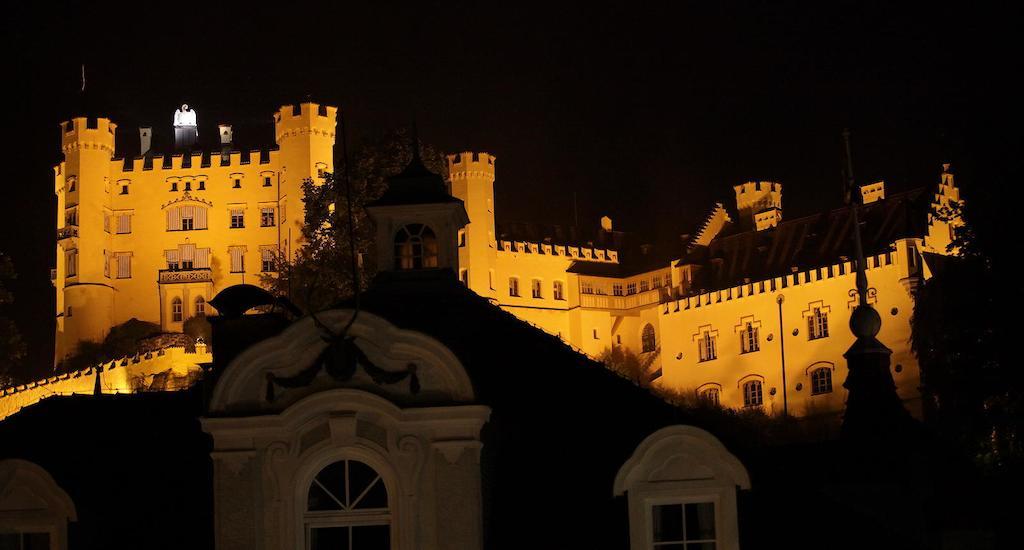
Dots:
pixel 200 306
pixel 176 310
pixel 415 247
pixel 347 507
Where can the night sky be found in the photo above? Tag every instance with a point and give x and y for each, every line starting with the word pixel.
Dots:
pixel 649 114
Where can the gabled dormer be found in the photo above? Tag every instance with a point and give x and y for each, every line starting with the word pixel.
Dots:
pixel 418 221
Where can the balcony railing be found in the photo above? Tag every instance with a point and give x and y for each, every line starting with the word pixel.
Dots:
pixel 629 301
pixel 200 275
pixel 67 232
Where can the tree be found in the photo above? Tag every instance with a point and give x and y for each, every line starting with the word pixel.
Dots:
pixel 320 275
pixel 629 365
pixel 972 393
pixel 12 347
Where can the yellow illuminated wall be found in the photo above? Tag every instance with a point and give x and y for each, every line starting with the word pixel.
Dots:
pixel 120 224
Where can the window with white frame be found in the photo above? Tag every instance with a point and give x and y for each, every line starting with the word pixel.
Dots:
pixel 347 507
pixel 267 259
pixel 631 288
pixel 707 346
pixel 186 218
pixel 753 395
pixel 200 306
pixel 513 286
pixel 681 526
pixel 558 290
pixel 237 218
pixel 237 255
pixel 648 339
pixel 535 289
pixel 749 338
pixel 645 285
pixel 176 310
pixel 586 287
pixel 415 247
pixel 124 223
pixel 711 395
pixel 617 289
pixel 821 380
pixel 656 281
pixel 71 263
pixel 267 216
pixel 124 264
pixel 817 324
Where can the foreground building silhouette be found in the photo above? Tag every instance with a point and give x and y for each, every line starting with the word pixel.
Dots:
pixel 745 301
pixel 391 423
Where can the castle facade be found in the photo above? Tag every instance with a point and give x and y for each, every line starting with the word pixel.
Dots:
pixel 748 310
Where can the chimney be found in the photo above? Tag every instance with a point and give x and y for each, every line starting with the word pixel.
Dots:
pixel 145 140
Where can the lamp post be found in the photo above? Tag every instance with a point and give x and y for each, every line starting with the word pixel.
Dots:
pixel 782 354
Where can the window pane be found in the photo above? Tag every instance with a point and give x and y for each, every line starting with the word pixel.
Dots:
pixel 331 478
pixel 371 537
pixel 36 541
pixel 668 522
pixel 328 538
pixel 700 521
pixel 360 478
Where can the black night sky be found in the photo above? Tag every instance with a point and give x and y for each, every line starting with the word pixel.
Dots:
pixel 649 114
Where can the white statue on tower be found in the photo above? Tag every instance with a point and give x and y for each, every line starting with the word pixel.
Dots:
pixel 186 129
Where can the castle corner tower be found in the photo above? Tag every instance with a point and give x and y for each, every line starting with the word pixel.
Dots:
pixel 472 181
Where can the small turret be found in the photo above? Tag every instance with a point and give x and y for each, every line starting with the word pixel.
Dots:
pixel 472 180
pixel 759 204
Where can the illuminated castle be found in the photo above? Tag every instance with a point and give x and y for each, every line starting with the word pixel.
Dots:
pixel 746 300
pixel 154 237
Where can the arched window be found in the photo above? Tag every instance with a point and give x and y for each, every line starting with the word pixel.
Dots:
pixel 711 395
pixel 415 247
pixel 347 507
pixel 821 380
pixel 200 306
pixel 648 340
pixel 752 394
pixel 176 310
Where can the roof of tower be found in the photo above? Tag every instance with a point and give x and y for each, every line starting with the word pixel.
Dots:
pixel 416 184
pixel 740 255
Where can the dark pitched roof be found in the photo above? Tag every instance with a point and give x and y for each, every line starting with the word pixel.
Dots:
pixel 416 184
pixel 808 242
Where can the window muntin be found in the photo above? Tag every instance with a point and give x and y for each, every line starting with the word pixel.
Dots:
pixel 648 339
pixel 267 260
pixel 707 346
pixel 753 396
pixel 535 288
pixel 347 506
pixel 645 285
pixel 586 287
pixel 237 218
pixel 513 286
pixel 617 289
pixel 689 526
pixel 631 288
pixel 415 247
pixel 558 290
pixel 749 339
pixel 176 310
pixel 821 380
pixel 817 324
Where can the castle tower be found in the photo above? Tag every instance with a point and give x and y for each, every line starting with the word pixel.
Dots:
pixel 82 186
pixel 759 204
pixel 472 181
pixel 306 134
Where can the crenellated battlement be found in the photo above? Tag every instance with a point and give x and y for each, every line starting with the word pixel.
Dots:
pixel 83 133
pixel 305 119
pixel 196 160
pixel 468 164
pixel 168 369
pixel 578 252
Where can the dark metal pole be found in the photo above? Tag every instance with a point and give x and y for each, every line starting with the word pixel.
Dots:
pixel 782 354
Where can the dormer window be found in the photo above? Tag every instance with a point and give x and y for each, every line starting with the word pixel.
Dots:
pixel 415 247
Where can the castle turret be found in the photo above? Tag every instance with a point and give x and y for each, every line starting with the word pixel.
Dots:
pixel 472 181
pixel 82 185
pixel 759 204
pixel 306 134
